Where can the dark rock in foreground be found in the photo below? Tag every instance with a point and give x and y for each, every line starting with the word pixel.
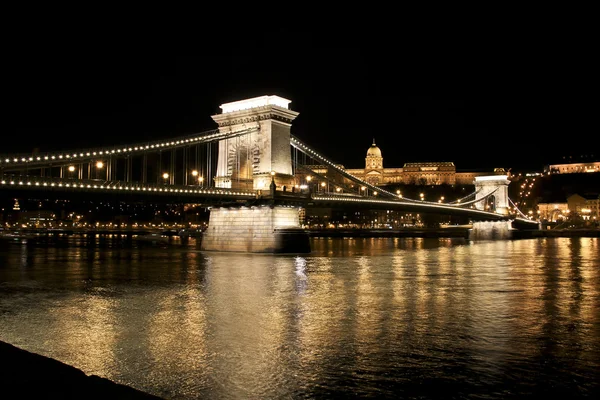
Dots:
pixel 25 375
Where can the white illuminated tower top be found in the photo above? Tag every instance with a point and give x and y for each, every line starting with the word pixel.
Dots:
pixel 254 102
pixel 252 158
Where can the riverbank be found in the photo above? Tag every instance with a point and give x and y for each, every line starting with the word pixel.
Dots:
pixel 25 375
pixel 459 232
pixel 553 233
pixel 433 233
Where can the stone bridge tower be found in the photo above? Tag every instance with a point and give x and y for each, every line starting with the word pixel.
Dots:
pixel 248 161
pixel 498 201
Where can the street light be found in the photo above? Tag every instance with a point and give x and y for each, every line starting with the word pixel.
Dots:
pixel 99 165
pixel 165 176
pixel 200 180
pixel 194 173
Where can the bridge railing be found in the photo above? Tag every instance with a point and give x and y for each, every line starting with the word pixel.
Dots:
pixel 31 160
pixel 15 181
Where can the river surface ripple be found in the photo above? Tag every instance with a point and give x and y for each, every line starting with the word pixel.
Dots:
pixel 355 318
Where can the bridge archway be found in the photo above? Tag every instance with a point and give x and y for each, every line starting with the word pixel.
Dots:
pixel 266 146
pixel 493 193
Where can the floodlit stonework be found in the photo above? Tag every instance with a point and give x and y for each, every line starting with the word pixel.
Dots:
pixel 247 161
pixel 495 189
pixel 419 173
pixel 573 168
pixel 262 229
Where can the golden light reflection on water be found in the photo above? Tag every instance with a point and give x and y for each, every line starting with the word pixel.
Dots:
pixel 87 333
pixel 187 324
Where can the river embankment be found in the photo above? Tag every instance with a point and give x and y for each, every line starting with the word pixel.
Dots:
pixel 460 232
pixel 26 375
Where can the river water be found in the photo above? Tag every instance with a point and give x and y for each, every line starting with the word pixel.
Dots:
pixel 355 318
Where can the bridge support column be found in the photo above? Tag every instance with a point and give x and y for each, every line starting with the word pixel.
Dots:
pixel 262 229
pixel 491 230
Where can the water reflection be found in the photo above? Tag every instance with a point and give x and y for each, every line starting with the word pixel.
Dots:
pixel 380 317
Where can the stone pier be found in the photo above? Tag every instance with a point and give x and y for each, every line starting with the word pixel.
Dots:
pixel 256 229
pixel 491 230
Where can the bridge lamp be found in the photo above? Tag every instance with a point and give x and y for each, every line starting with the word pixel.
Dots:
pixel 422 196
pixel 200 180
pixel 374 193
pixel 338 189
pixel 194 173
pixel 71 168
pixel 165 176
pixel 99 165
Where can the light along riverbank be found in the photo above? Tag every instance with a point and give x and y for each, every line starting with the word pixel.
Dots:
pixel 461 232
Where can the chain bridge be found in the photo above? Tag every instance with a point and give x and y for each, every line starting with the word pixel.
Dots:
pixel 253 173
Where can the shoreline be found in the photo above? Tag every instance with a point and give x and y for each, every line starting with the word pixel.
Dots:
pixel 28 375
pixel 447 233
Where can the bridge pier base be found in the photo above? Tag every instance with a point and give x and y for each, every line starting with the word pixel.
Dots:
pixel 491 230
pixel 261 229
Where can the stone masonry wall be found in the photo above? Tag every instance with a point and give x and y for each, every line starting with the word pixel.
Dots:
pixel 248 229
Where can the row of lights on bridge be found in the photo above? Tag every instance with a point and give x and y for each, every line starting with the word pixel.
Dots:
pixel 165 175
pixel 195 140
pixel 364 190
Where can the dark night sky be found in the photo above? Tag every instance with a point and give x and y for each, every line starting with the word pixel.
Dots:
pixel 498 102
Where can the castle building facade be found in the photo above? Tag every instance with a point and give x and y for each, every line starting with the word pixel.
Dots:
pixel 573 168
pixel 420 173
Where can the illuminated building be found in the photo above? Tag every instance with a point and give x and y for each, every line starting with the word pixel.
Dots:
pixel 587 207
pixel 573 168
pixel 414 173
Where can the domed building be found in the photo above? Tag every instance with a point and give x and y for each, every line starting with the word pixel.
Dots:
pixel 420 173
pixel 373 172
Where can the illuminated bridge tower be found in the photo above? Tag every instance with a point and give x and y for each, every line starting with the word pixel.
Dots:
pixel 247 161
pixel 252 161
pixel 496 186
pixel 493 192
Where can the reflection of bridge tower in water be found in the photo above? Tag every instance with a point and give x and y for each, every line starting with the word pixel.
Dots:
pixel 247 161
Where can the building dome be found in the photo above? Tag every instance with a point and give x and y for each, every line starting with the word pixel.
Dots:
pixel 374 151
